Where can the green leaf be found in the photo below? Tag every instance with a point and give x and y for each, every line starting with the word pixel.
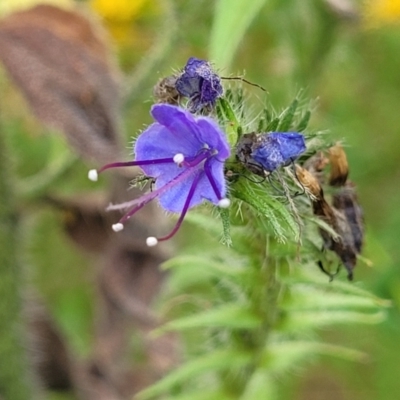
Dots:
pixel 276 214
pixel 212 226
pixel 273 125
pixel 231 20
pixel 262 125
pixel 261 385
pixel 288 116
pixel 311 320
pixel 201 395
pixel 309 276
pixel 281 356
pixel 215 361
pixel 233 316
pixel 304 121
pixel 196 269
pixel 306 297
pixel 228 118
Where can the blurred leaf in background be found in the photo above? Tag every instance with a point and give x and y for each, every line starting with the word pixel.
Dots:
pixel 349 61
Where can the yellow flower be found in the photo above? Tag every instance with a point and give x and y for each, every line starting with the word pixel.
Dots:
pixel 118 16
pixel 381 12
pixel 117 10
pixel 9 6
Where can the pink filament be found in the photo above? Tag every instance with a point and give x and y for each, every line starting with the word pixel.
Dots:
pixel 207 170
pixel 137 204
pixel 192 165
pixel 136 163
pixel 184 210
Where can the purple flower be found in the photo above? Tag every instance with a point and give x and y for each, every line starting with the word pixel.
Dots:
pixel 272 150
pixel 185 155
pixel 200 84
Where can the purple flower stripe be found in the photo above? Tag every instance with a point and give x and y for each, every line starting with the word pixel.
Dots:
pixel 208 172
pixel 184 210
pixel 143 200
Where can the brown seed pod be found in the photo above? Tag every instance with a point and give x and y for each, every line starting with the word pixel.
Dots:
pixel 339 166
pixel 344 214
pixel 165 91
pixel 244 150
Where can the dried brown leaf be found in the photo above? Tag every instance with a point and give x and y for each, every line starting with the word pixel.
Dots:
pixel 339 166
pixel 309 182
pixel 84 219
pixel 51 359
pixel 59 62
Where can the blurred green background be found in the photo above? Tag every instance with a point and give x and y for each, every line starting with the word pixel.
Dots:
pixel 346 55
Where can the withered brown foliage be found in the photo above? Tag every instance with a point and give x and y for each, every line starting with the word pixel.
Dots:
pixel 343 213
pixel 61 64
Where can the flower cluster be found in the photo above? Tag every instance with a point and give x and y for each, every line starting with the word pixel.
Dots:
pixel 185 154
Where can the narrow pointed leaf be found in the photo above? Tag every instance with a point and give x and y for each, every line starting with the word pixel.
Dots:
pixel 280 357
pixel 306 297
pixel 231 20
pixel 304 121
pixel 216 361
pixel 233 316
pixel 288 116
pixel 311 320
pixel 260 386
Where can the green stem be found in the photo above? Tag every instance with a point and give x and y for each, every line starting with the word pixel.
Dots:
pixel 15 382
pixel 263 298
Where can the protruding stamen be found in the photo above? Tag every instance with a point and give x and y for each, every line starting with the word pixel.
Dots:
pixel 178 158
pixel 151 241
pixel 93 175
pixel 137 204
pixel 193 161
pixel 224 203
pixel 207 170
pixel 136 163
pixel 117 227
pixel 184 210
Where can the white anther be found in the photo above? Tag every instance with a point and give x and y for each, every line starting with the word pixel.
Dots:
pixel 178 158
pixel 93 175
pixel 151 241
pixel 224 203
pixel 118 227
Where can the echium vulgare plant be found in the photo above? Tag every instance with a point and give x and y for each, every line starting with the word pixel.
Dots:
pixel 253 299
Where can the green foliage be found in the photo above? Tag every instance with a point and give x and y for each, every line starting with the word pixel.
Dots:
pixel 252 309
pixel 264 268
pixel 258 317
pixel 231 20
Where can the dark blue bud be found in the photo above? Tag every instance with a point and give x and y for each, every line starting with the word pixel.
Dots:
pixel 200 84
pixel 276 149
